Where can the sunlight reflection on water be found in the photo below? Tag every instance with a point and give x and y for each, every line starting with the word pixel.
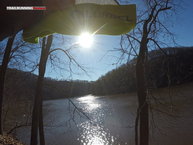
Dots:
pixel 94 134
pixel 90 102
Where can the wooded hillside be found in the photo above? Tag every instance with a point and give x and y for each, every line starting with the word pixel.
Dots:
pixel 169 66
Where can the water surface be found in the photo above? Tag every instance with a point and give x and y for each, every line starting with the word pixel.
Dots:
pixel 99 120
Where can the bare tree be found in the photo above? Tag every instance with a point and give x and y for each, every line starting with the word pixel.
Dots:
pixel 15 54
pixel 37 115
pixel 151 32
pixel 2 75
pixel 37 121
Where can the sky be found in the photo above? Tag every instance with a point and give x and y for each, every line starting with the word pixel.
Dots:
pixel 99 59
pixel 183 24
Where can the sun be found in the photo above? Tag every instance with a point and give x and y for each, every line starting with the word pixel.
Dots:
pixel 85 40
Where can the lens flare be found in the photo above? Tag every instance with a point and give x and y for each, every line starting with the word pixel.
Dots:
pixel 85 40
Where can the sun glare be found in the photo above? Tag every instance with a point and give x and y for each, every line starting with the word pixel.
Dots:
pixel 86 40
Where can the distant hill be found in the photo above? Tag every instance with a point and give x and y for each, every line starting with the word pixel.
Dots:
pixel 169 66
pixel 22 85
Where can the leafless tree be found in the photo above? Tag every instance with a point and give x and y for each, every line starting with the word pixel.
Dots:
pixel 15 54
pixel 47 51
pixel 4 65
pixel 151 32
pixel 37 121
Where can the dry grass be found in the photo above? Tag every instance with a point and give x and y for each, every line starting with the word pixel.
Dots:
pixel 8 140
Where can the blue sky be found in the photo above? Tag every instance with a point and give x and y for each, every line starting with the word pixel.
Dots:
pixel 183 24
pixel 97 61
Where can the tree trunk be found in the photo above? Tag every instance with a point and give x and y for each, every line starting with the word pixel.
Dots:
pixel 41 125
pixel 142 96
pixel 3 69
pixel 37 118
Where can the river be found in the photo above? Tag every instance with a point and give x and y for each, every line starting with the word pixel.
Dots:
pixel 99 120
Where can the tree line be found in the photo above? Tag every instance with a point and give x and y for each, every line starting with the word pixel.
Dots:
pixel 173 67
